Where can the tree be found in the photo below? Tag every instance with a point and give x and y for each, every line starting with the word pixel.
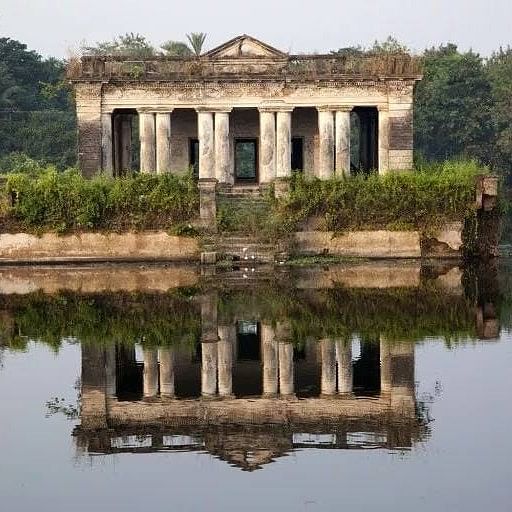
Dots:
pixel 196 40
pixel 176 49
pixel 127 45
pixel 499 71
pixel 453 106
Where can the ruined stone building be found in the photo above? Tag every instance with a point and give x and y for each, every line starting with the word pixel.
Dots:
pixel 245 112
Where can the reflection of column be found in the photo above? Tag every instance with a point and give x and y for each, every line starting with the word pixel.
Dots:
pixel 284 144
pixel 150 375
pixel 209 338
pixel 222 153
pixel 225 360
pixel 385 366
pixel 342 121
pixel 209 368
pixel 111 368
pixel 166 356
pixel 344 357
pixel 326 138
pixel 163 142
pixel 285 356
pixel 269 349
pixel 206 144
pixel 267 145
pixel 147 142
pixel 402 378
pixel 328 381
pixel 383 139
pixel 107 163
pixel 286 368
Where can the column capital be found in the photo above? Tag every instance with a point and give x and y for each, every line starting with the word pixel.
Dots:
pixel 343 108
pixel 213 109
pixel 276 108
pixel 383 108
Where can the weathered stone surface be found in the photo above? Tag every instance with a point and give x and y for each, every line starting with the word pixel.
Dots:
pixel 451 235
pixel 366 244
pixel 97 247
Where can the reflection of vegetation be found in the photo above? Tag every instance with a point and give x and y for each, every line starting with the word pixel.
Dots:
pixel 158 319
pixel 398 313
pixel 58 405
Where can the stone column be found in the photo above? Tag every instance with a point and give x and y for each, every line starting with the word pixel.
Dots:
pixel 107 152
pixel 163 142
pixel 342 120
pixel 147 142
pixel 267 145
pixel 225 359
pixel 385 366
pixel 166 356
pixel 206 144
pixel 150 375
pixel 222 149
pixel 344 357
pixel 383 147
pixel 326 143
pixel 270 352
pixel 328 381
pixel 284 144
pixel 88 110
pixel 111 370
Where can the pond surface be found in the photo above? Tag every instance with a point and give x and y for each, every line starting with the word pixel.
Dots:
pixel 170 388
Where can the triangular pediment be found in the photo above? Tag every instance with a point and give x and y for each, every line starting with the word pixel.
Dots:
pixel 244 47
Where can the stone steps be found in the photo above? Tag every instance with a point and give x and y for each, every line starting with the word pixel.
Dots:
pixel 247 249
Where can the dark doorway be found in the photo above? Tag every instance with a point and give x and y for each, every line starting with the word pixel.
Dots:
pixel 297 154
pixel 246 160
pixel 367 369
pixel 125 141
pixel 193 157
pixel 248 341
pixel 364 139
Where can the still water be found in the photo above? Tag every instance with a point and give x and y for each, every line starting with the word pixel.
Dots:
pixel 169 388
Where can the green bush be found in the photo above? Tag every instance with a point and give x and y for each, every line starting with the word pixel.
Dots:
pixel 424 199
pixel 61 202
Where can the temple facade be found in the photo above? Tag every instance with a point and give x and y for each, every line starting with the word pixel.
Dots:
pixel 246 113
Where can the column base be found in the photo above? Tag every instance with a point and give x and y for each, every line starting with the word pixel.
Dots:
pixel 281 187
pixel 208 203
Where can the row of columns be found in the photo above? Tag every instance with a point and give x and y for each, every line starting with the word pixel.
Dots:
pixel 277 374
pixel 275 142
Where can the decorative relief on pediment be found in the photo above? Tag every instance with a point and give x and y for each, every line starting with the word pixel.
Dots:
pixel 244 47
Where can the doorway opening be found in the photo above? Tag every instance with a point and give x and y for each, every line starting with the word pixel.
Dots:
pixel 246 160
pixel 297 154
pixel 125 141
pixel 364 128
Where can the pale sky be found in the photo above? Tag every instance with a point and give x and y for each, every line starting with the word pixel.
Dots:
pixel 53 26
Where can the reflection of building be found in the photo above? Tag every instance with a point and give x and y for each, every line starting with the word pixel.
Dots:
pixel 247 395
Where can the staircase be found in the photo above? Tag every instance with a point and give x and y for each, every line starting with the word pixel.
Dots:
pixel 246 206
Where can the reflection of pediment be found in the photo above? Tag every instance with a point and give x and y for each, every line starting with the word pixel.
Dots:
pixel 244 47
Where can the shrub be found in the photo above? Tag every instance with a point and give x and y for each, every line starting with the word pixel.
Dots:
pixel 66 201
pixel 423 200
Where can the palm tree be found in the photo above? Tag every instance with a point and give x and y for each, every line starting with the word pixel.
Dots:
pixel 196 40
